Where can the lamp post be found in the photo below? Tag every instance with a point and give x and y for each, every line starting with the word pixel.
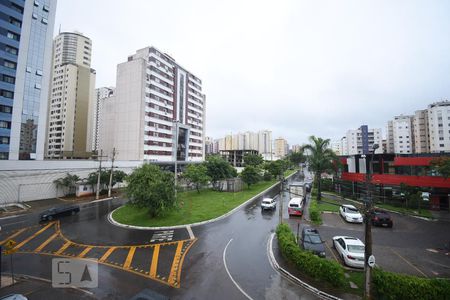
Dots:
pixel 368 229
pixel 176 158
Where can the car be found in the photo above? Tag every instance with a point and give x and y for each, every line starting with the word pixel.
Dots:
pixel 350 213
pixel 55 212
pixel 350 249
pixel 268 203
pixel 379 217
pixel 14 297
pixel 295 206
pixel 308 187
pixel 312 241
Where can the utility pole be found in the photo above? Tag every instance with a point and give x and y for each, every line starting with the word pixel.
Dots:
pixel 111 173
pixel 97 194
pixel 176 160
pixel 368 229
pixel 281 198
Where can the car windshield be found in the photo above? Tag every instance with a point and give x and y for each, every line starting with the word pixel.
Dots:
pixel 315 239
pixel 352 210
pixel 356 248
pixel 293 205
pixel 266 201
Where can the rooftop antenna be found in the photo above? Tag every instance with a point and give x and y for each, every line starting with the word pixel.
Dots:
pixel 59 28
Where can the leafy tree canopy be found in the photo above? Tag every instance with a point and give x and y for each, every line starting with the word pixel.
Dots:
pixel 197 175
pixel 253 160
pixel 442 166
pixel 218 169
pixel 250 175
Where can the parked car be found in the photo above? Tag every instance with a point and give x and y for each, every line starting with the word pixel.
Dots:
pixel 380 217
pixel 350 213
pixel 312 241
pixel 295 207
pixel 350 249
pixel 14 297
pixel 268 203
pixel 308 187
pixel 55 212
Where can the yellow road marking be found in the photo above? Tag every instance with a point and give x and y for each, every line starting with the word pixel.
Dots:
pixel 64 247
pixel 182 260
pixel 33 236
pixel 405 260
pixel 154 264
pixel 127 263
pixel 85 251
pixel 175 264
pixel 13 235
pixel 51 238
pixel 107 253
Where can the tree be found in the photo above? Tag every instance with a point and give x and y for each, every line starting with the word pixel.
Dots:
pixel 118 176
pixel 253 160
pixel 277 167
pixel 250 175
pixel 441 165
pixel 296 158
pixel 68 183
pixel 196 175
pixel 320 159
pixel 218 169
pixel 104 179
pixel 151 188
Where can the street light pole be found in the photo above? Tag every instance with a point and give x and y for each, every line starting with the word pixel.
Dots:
pixel 176 160
pixel 368 229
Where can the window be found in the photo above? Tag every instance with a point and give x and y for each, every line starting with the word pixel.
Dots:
pixel 441 145
pixel 5 109
pixel 28 69
pixel 46 8
pixel 34 16
pixel 37 86
pixel 5 124
pixel 4 155
pixel 12 35
pixel 441 138
pixel 4 140
pixel 6 94
pixel 8 79
pixel 15 22
pixel 44 21
pixel 39 72
pixel 11 50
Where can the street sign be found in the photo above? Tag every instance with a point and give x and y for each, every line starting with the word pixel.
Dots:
pixel 371 261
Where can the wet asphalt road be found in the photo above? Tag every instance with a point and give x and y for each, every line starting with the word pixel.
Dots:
pixel 203 274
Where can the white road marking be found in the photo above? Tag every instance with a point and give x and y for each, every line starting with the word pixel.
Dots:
pixel 162 236
pixel 191 234
pixel 433 250
pixel 226 269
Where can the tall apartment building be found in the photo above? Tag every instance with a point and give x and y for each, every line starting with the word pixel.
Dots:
pixel 421 132
pixel 26 30
pixel 101 95
pixel 390 137
pixel 71 105
pixel 265 144
pixel 439 126
pixel 336 146
pixel 402 135
pixel 281 147
pixel 361 140
pixel 158 111
pixel 296 148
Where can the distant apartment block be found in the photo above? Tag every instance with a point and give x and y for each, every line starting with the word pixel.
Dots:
pixel 101 95
pixel 296 148
pixel 400 137
pixel 72 99
pixel 281 147
pixel 361 140
pixel 439 126
pixel 26 31
pixel 421 132
pixel 260 141
pixel 157 112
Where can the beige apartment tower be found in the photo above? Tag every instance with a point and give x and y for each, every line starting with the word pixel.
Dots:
pixel 71 103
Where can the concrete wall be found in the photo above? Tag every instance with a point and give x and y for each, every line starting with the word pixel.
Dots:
pixel 22 181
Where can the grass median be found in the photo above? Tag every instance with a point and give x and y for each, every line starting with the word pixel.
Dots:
pixel 193 207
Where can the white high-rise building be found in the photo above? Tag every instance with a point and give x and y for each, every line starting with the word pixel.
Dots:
pixel 402 135
pixel 439 126
pixel 336 146
pixel 101 95
pixel 361 140
pixel 158 110
pixel 281 147
pixel 72 99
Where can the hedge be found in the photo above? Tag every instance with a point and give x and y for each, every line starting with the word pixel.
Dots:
pixel 312 265
pixel 314 213
pixel 388 285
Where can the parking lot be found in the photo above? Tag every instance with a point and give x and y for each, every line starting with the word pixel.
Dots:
pixel 413 246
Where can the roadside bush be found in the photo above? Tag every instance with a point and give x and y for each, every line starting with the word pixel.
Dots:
pixel 313 266
pixel 387 285
pixel 314 213
pixel 267 176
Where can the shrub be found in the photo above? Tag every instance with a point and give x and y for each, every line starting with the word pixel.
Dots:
pixel 314 213
pixel 312 265
pixel 387 285
pixel 267 176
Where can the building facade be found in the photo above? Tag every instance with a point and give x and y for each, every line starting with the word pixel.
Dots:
pixel 281 147
pixel 402 135
pixel 26 30
pixel 361 140
pixel 158 111
pixel 72 99
pixel 439 126
pixel 421 132
pixel 102 95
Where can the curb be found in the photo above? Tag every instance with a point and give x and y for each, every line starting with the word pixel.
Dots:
pixel 291 277
pixel 115 223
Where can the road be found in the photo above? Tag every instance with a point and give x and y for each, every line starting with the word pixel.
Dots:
pixel 226 259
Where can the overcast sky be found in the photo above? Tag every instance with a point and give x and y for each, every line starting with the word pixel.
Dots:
pixel 298 68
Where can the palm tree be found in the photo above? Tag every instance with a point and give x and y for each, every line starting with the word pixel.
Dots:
pixel 68 183
pixel 320 159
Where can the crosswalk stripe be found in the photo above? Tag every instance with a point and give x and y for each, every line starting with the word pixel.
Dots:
pixel 176 261
pixel 127 263
pixel 51 238
pixel 85 251
pixel 154 264
pixel 12 236
pixel 107 253
pixel 64 247
pixel 33 236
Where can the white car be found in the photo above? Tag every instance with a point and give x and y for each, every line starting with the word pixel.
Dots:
pixel 268 203
pixel 350 213
pixel 350 249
